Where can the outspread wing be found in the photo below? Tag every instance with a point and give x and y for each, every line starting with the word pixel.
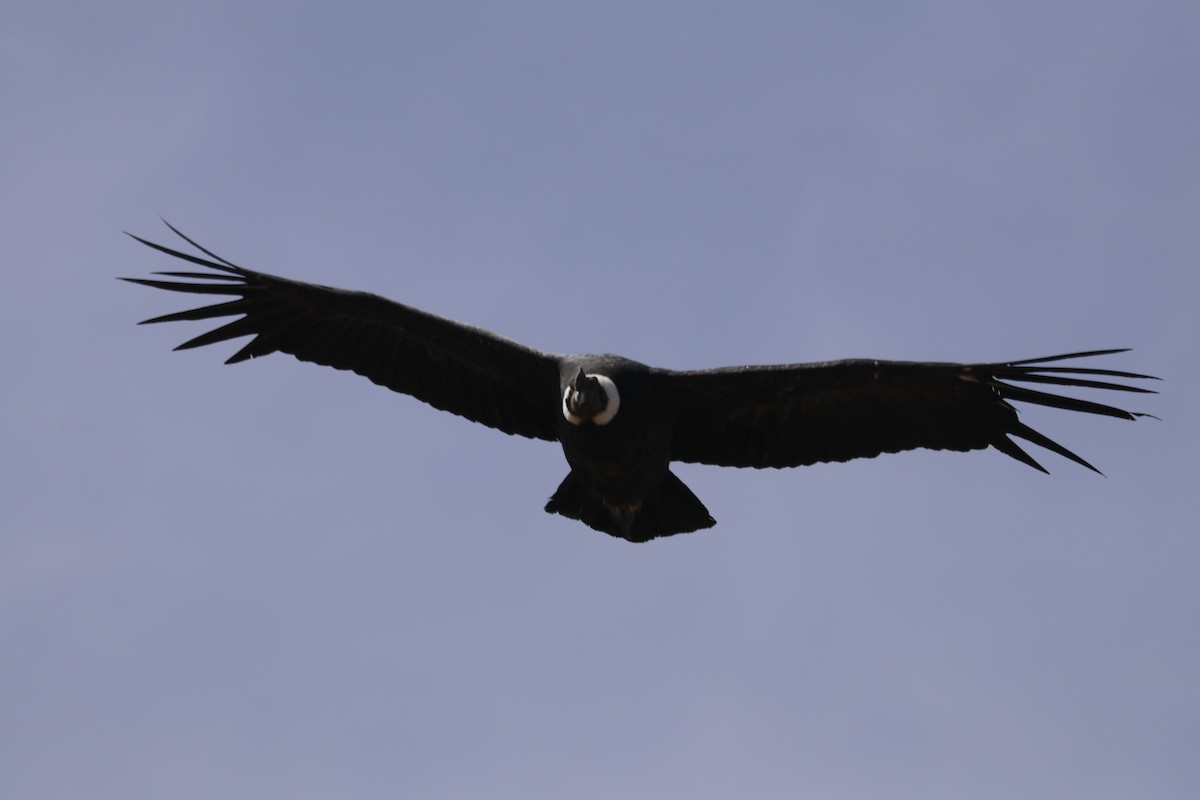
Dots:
pixel 454 367
pixel 797 414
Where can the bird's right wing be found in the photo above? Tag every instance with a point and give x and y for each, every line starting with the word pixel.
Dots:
pixel 454 367
pixel 796 414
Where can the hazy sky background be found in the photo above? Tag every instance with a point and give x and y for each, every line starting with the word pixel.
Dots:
pixel 276 580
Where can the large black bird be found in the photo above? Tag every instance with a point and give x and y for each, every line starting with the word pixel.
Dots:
pixel 621 423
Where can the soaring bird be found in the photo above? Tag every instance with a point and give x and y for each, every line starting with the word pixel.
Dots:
pixel 621 423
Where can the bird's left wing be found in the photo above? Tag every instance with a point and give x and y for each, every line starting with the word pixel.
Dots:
pixel 454 367
pixel 797 414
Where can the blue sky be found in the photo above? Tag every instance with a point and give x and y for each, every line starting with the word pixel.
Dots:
pixel 278 580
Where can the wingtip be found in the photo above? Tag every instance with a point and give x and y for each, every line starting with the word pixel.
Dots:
pixel 137 238
pixel 1064 356
pixel 175 230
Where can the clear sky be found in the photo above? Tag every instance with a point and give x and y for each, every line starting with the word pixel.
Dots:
pixel 277 580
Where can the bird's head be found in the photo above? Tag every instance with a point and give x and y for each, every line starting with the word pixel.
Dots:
pixel 590 398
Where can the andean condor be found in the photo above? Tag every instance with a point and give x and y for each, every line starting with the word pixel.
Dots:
pixel 622 423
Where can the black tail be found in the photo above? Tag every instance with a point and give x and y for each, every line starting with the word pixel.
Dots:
pixel 673 509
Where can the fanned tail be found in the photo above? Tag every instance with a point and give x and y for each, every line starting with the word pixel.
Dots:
pixel 672 509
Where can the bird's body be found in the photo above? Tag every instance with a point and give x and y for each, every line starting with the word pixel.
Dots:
pixel 621 423
pixel 620 480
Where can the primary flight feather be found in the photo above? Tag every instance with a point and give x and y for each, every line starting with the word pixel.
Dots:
pixel 621 423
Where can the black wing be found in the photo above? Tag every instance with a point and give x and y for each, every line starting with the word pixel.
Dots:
pixel 458 368
pixel 797 414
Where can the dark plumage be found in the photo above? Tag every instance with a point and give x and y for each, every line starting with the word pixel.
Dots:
pixel 621 423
